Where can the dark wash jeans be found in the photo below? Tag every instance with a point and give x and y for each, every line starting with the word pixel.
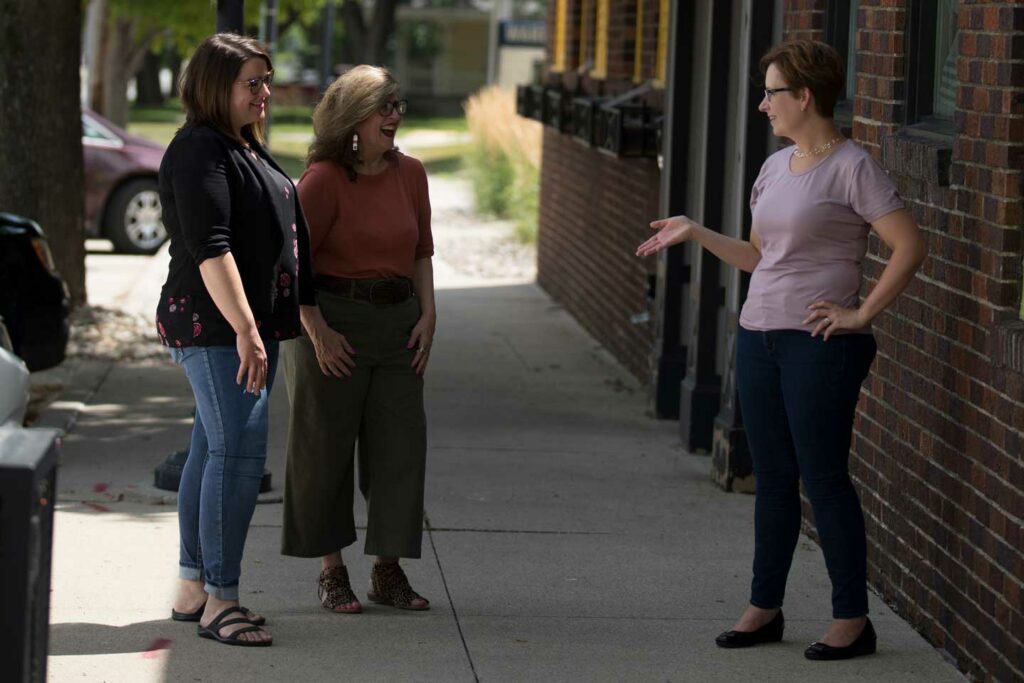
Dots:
pixel 798 396
pixel 221 478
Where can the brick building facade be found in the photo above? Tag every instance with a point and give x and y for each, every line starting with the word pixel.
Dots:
pixel 936 94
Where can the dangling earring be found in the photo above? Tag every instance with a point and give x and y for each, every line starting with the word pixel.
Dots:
pixel 355 142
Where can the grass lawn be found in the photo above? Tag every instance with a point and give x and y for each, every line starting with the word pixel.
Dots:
pixel 293 126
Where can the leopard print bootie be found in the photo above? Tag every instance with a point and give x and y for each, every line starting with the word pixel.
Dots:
pixel 335 590
pixel 389 586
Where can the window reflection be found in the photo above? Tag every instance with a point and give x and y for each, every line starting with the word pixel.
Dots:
pixel 851 52
pixel 946 52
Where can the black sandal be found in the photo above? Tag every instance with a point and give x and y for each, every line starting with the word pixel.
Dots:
pixel 198 614
pixel 212 631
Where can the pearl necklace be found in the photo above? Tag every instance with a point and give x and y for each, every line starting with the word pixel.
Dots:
pixel 818 151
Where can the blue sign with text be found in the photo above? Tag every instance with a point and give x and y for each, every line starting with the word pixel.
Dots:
pixel 522 32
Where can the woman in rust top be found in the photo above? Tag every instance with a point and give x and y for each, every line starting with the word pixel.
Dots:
pixel 357 374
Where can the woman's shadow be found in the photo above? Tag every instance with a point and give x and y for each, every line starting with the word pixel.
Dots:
pixel 103 639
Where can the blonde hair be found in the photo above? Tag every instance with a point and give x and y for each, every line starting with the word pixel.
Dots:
pixel 209 77
pixel 351 99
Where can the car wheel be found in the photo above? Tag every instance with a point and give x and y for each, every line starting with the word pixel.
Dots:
pixel 134 222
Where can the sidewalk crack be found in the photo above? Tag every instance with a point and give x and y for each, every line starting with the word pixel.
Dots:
pixel 515 352
pixel 451 603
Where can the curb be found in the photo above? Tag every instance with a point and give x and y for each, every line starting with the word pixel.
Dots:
pixel 81 380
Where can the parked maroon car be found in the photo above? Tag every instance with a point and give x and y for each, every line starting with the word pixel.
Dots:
pixel 122 202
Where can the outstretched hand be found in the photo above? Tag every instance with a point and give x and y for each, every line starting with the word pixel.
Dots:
pixel 673 230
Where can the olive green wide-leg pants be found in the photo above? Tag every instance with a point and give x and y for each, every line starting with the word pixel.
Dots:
pixel 380 408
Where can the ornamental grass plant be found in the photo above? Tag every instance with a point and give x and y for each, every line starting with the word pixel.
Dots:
pixel 504 164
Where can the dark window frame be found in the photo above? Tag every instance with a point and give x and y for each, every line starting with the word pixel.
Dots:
pixel 837 34
pixel 922 24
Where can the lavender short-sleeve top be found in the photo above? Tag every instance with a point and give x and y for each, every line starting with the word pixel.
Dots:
pixel 814 229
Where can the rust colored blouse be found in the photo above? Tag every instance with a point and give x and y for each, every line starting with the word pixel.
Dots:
pixel 377 226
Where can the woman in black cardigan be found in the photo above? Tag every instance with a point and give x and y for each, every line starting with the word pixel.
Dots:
pixel 239 272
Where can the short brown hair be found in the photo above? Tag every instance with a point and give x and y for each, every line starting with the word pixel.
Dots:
pixel 348 101
pixel 813 65
pixel 209 77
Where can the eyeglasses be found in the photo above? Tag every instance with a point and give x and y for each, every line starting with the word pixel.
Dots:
pixel 768 92
pixel 394 105
pixel 256 84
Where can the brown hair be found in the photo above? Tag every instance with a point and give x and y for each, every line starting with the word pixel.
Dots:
pixel 348 101
pixel 209 77
pixel 813 65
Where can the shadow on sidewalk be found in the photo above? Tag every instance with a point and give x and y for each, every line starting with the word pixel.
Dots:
pixel 146 637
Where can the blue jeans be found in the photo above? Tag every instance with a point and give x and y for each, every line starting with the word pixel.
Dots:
pixel 798 396
pixel 221 478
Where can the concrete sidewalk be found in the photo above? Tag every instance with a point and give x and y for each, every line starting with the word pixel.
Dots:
pixel 569 537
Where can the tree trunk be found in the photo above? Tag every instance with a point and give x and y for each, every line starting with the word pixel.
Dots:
pixel 95 45
pixel 355 31
pixel 124 55
pixel 41 129
pixel 376 47
pixel 115 72
pixel 147 81
pixel 174 60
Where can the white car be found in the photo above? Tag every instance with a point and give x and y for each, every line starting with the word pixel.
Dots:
pixel 13 383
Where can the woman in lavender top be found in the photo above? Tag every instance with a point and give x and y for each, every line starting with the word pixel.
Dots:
pixel 805 343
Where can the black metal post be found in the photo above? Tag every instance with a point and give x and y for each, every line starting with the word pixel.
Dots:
pixel 700 394
pixel 731 465
pixel 231 16
pixel 268 35
pixel 327 47
pixel 673 271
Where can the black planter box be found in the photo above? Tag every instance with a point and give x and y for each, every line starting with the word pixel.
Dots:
pixel 626 130
pixel 584 118
pixel 558 110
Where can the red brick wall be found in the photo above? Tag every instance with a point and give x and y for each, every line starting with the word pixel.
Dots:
pixel 937 453
pixel 595 209
pixel 881 72
pixel 804 20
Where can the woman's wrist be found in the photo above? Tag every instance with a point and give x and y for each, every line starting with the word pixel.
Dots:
pixel 863 317
pixel 248 329
pixel 312 319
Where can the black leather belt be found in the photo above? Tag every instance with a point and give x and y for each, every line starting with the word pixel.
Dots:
pixel 381 292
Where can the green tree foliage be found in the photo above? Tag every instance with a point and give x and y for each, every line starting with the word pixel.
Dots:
pixel 183 24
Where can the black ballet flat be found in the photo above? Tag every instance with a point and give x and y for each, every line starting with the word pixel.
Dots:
pixel 864 645
pixel 769 633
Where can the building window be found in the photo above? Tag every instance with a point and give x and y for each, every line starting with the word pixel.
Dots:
pixel 561 29
pixel 601 40
pixel 947 49
pixel 661 65
pixel 841 33
pixel 931 64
